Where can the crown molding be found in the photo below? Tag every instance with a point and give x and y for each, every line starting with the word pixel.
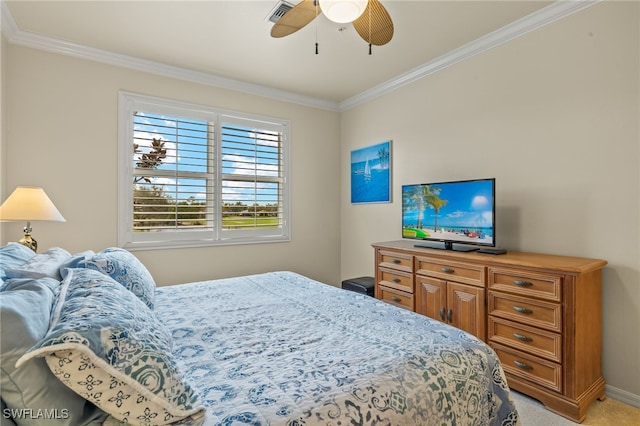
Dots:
pixel 15 35
pixel 509 32
pixel 532 22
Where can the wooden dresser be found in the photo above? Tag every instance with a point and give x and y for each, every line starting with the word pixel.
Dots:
pixel 541 313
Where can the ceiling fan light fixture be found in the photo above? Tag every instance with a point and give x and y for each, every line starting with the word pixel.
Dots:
pixel 343 11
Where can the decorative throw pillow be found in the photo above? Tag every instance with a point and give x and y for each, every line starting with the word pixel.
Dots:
pixel 46 264
pixel 32 391
pixel 109 347
pixel 13 255
pixel 126 269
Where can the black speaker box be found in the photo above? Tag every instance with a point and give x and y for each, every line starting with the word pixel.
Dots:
pixel 364 285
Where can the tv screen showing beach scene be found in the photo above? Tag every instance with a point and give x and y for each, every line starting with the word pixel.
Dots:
pixel 458 212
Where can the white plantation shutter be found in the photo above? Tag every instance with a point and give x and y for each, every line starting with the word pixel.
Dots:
pixel 252 176
pixel 193 175
pixel 173 196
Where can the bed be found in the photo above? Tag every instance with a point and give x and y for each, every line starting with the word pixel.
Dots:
pixel 270 349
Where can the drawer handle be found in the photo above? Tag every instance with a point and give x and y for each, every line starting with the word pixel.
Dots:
pixel 442 313
pixel 395 299
pixel 522 283
pixel 396 261
pixel 522 310
pixel 521 337
pixel 447 270
pixel 522 365
pixel 396 280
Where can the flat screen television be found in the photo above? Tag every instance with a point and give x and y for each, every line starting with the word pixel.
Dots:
pixel 446 213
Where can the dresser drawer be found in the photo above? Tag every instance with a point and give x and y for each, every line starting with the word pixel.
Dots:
pixel 531 312
pixel 446 270
pixel 395 279
pixel 395 297
pixel 394 260
pixel 536 370
pixel 537 342
pixel 525 283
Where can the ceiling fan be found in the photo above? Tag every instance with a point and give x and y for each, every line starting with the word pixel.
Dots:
pixel 370 18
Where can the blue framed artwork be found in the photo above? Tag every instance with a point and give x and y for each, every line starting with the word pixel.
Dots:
pixel 371 174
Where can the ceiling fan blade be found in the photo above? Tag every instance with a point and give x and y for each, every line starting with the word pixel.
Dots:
pixel 375 25
pixel 295 19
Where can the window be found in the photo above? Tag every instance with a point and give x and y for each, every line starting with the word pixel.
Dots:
pixel 193 175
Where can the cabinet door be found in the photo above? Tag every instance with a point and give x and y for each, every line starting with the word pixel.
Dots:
pixel 466 309
pixel 431 298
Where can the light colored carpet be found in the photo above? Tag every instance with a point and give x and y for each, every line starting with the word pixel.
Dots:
pixel 601 413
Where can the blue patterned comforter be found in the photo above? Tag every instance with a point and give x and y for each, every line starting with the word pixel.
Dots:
pixel 281 349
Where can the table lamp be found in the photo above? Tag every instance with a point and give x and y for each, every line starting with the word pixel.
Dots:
pixel 29 203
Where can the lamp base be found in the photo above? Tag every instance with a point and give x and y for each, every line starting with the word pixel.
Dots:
pixel 27 240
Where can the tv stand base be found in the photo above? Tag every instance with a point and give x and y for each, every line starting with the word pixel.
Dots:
pixel 447 245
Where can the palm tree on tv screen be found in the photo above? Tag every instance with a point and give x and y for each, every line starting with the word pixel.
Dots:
pixel 436 203
pixel 421 196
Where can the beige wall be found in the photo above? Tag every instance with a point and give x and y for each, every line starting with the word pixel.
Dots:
pixel 62 135
pixel 554 117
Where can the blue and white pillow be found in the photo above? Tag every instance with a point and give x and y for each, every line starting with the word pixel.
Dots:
pixel 111 349
pixel 126 269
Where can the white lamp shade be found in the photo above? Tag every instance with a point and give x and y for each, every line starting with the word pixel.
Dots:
pixel 29 203
pixel 343 11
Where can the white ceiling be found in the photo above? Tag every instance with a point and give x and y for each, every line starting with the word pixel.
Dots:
pixel 231 39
